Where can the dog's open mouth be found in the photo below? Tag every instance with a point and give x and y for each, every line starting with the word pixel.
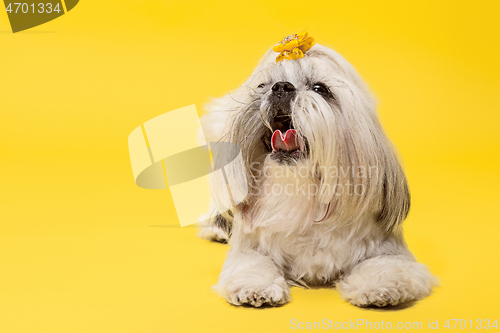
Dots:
pixel 288 142
pixel 283 142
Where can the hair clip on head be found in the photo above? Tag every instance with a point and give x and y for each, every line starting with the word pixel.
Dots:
pixel 293 47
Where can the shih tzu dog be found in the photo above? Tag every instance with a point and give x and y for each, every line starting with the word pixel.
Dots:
pixel 327 194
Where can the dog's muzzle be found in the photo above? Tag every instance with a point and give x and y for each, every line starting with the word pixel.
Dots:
pixel 283 142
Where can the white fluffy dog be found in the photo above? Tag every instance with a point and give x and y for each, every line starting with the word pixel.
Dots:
pixel 327 194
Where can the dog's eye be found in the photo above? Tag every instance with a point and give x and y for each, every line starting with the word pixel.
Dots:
pixel 262 85
pixel 320 88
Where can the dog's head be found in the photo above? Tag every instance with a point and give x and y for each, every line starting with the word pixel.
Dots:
pixel 316 112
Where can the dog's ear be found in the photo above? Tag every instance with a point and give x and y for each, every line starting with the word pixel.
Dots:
pixel 395 201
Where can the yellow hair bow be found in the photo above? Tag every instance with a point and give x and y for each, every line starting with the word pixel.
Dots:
pixel 293 47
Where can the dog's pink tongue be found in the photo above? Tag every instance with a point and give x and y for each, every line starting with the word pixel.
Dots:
pixel 288 142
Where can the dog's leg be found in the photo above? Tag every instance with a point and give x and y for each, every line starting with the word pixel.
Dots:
pixel 386 280
pixel 252 278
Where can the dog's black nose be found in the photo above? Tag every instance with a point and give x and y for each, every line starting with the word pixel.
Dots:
pixel 281 98
pixel 283 88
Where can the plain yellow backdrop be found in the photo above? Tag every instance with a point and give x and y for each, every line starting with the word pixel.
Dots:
pixel 83 249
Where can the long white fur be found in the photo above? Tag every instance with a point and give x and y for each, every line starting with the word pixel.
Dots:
pixel 275 241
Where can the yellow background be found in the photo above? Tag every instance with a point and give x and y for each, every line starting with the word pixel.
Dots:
pixel 83 249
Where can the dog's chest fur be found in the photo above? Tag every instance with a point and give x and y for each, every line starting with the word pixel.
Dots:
pixel 321 255
pixel 284 228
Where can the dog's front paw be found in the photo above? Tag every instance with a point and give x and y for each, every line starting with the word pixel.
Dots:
pixel 377 297
pixel 386 280
pixel 274 294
